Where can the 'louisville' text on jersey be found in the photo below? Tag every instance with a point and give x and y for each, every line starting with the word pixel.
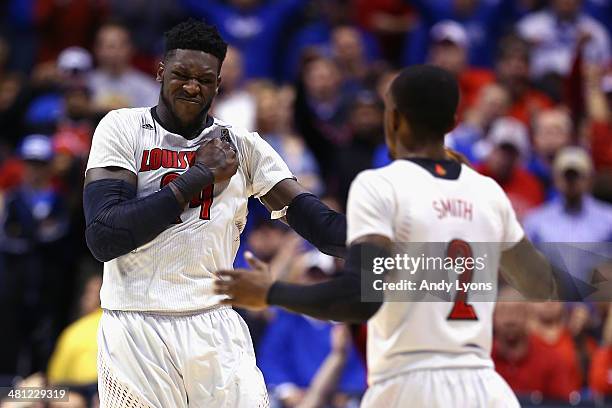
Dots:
pixel 453 207
pixel 168 159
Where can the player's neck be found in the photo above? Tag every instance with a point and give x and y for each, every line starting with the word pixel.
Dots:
pixel 433 152
pixel 170 123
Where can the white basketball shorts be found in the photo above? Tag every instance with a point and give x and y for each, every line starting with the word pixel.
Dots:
pixel 175 361
pixel 442 388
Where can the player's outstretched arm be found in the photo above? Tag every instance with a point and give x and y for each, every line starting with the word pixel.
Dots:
pixel 529 272
pixel 309 216
pixel 338 299
pixel 117 221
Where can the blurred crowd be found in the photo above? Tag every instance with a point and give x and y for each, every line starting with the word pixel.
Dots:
pixel 309 76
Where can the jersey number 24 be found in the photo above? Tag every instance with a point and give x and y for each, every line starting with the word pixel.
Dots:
pixel 204 200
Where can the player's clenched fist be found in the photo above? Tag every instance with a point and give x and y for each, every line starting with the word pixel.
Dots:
pixel 220 157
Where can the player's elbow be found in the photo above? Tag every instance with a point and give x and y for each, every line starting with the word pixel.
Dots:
pixel 107 243
pixel 357 311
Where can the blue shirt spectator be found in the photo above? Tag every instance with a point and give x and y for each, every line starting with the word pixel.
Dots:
pixel 255 29
pixel 574 217
pixel 294 347
pixel 482 21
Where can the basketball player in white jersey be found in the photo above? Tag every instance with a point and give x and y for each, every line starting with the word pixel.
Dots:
pixel 420 354
pixel 165 201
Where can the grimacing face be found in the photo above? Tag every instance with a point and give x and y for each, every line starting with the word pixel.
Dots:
pixel 190 81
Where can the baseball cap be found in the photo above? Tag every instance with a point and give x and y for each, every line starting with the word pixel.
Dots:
pixel 74 59
pixel 510 131
pixel 448 30
pixel 573 158
pixel 36 147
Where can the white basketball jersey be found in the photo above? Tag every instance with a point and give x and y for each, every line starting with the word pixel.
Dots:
pixel 407 203
pixel 174 272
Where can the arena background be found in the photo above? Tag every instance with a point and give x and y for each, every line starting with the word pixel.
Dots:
pixel 308 75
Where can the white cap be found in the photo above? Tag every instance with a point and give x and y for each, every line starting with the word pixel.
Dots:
pixel 448 30
pixel 74 59
pixel 573 158
pixel 36 147
pixel 510 131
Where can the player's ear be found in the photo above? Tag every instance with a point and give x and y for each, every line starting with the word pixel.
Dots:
pixel 160 72
pixel 396 120
pixel 218 84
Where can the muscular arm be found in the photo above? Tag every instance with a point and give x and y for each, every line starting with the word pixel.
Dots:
pixel 529 272
pixel 118 222
pixel 339 298
pixel 309 217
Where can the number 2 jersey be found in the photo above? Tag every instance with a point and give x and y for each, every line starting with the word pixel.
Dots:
pixel 174 272
pixel 430 203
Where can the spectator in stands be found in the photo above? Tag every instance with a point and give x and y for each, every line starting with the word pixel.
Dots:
pixel 448 50
pixel 600 376
pixel 37 260
pixel 348 52
pixel 598 99
pixel 255 27
pixel 367 133
pixel 234 105
pixel 73 362
pixel 115 84
pixel 315 37
pixel 388 20
pixel 305 342
pixel 552 130
pixel 512 71
pixel 549 324
pixel 555 33
pixel 533 369
pixel 508 148
pixel 269 125
pixel 325 381
pixel 146 25
pixel 575 213
pixel 12 103
pixel 321 111
pixel 52 18
pixel 492 103
pixel 482 20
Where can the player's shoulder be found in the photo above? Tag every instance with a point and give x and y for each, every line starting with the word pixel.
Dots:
pixel 379 179
pixel 239 134
pixel 486 185
pixel 129 116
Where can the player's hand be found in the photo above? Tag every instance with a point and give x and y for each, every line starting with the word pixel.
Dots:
pixel 220 157
pixel 246 288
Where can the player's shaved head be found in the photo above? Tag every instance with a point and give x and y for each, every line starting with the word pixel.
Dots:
pixel 195 35
pixel 427 96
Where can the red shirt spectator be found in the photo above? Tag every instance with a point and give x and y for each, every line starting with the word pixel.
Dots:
pixel 601 145
pixel 600 376
pixel 541 368
pixel 528 104
pixel 522 188
pixel 528 364
pixel 471 81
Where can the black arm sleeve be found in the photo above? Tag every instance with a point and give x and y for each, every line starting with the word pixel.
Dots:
pixel 117 222
pixel 317 223
pixel 339 298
